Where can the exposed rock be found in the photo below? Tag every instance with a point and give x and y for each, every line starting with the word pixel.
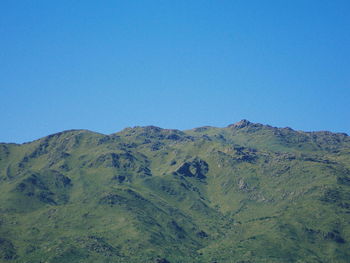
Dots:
pixel 245 123
pixel 334 236
pixel 162 260
pixel 144 171
pixel 196 168
pixel 173 137
pixel 245 154
pixel 156 146
pixel 241 124
pixel 242 185
pixel 202 234
pixel 116 160
pixel 119 178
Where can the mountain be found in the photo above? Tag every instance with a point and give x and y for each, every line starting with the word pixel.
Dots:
pixel 246 193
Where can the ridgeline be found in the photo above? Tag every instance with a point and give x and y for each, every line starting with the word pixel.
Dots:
pixel 246 193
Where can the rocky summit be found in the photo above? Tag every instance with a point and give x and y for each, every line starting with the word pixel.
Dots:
pixel 246 193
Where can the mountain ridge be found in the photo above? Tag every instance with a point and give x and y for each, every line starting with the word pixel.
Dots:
pixel 243 193
pixel 240 124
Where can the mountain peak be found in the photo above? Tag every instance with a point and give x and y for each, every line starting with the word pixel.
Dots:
pixel 241 124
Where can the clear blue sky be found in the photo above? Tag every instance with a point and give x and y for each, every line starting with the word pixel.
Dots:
pixel 107 65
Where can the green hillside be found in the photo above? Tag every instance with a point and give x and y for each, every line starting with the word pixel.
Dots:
pixel 247 193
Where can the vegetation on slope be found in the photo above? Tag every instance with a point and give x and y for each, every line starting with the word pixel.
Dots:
pixel 244 193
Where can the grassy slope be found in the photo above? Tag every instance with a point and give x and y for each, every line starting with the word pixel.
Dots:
pixel 245 193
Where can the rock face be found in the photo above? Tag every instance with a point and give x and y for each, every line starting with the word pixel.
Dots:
pixel 245 193
pixel 241 124
pixel 196 168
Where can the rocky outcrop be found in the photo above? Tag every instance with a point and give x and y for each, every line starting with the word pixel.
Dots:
pixel 196 168
pixel 245 123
